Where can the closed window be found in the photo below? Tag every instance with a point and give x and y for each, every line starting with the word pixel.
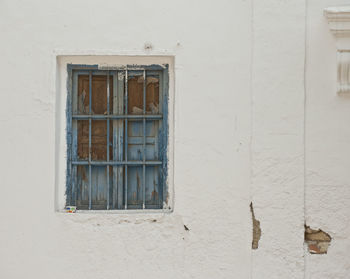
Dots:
pixel 117 137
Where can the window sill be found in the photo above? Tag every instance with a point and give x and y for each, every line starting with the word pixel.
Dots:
pixel 119 212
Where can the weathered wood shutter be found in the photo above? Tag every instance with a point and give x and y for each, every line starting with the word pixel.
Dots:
pixel 117 151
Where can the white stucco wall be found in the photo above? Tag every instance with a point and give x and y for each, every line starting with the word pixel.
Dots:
pixel 277 137
pixel 256 118
pixel 327 195
pixel 211 165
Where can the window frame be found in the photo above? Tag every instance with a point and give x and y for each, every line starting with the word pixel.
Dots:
pixel 163 138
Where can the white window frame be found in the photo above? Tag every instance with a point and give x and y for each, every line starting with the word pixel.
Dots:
pixel 105 62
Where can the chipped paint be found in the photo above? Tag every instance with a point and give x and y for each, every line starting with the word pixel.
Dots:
pixel 318 241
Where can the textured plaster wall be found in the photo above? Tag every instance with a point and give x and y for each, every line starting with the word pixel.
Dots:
pixel 211 43
pixel 243 131
pixel 277 137
pixel 327 147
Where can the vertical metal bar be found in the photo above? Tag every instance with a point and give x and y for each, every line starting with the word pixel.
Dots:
pixel 126 139
pixel 74 151
pixel 144 142
pixel 108 94
pixel 90 112
pixel 164 122
pixel 69 138
pixel 118 137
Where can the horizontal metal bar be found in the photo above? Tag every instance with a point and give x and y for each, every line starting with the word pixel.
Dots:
pixel 136 73
pixel 139 140
pixel 117 163
pixel 94 72
pixel 123 116
pixel 154 67
pixel 82 67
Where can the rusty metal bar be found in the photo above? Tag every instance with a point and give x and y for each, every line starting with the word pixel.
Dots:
pixel 113 117
pixel 107 171
pixel 90 112
pixel 117 163
pixel 98 69
pixel 126 140
pixel 144 142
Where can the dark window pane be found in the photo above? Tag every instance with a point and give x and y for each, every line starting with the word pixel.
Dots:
pixel 135 192
pixel 138 186
pixel 117 195
pixel 83 94
pixel 153 188
pixel 152 95
pixel 135 140
pixel 99 140
pixel 98 187
pixel 99 94
pixel 152 140
pixel 135 95
pixel 83 139
pixel 82 187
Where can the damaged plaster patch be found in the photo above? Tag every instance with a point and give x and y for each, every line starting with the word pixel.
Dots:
pixel 317 240
pixel 256 229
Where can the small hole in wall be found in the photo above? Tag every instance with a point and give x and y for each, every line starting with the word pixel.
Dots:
pixel 148 46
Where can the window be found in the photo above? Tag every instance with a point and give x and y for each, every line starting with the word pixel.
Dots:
pixel 117 137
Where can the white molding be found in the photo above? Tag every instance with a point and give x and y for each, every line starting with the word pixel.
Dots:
pixel 338 20
pixel 61 60
pixel 343 75
pixel 339 24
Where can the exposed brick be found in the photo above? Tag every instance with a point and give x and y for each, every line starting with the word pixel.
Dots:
pixel 317 240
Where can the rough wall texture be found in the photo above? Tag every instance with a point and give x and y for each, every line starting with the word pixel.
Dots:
pixel 327 154
pixel 211 45
pixel 240 135
pixel 277 137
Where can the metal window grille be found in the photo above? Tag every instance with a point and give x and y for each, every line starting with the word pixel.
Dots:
pixel 117 132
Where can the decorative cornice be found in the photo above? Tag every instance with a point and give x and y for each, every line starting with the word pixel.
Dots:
pixel 339 24
pixel 338 20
